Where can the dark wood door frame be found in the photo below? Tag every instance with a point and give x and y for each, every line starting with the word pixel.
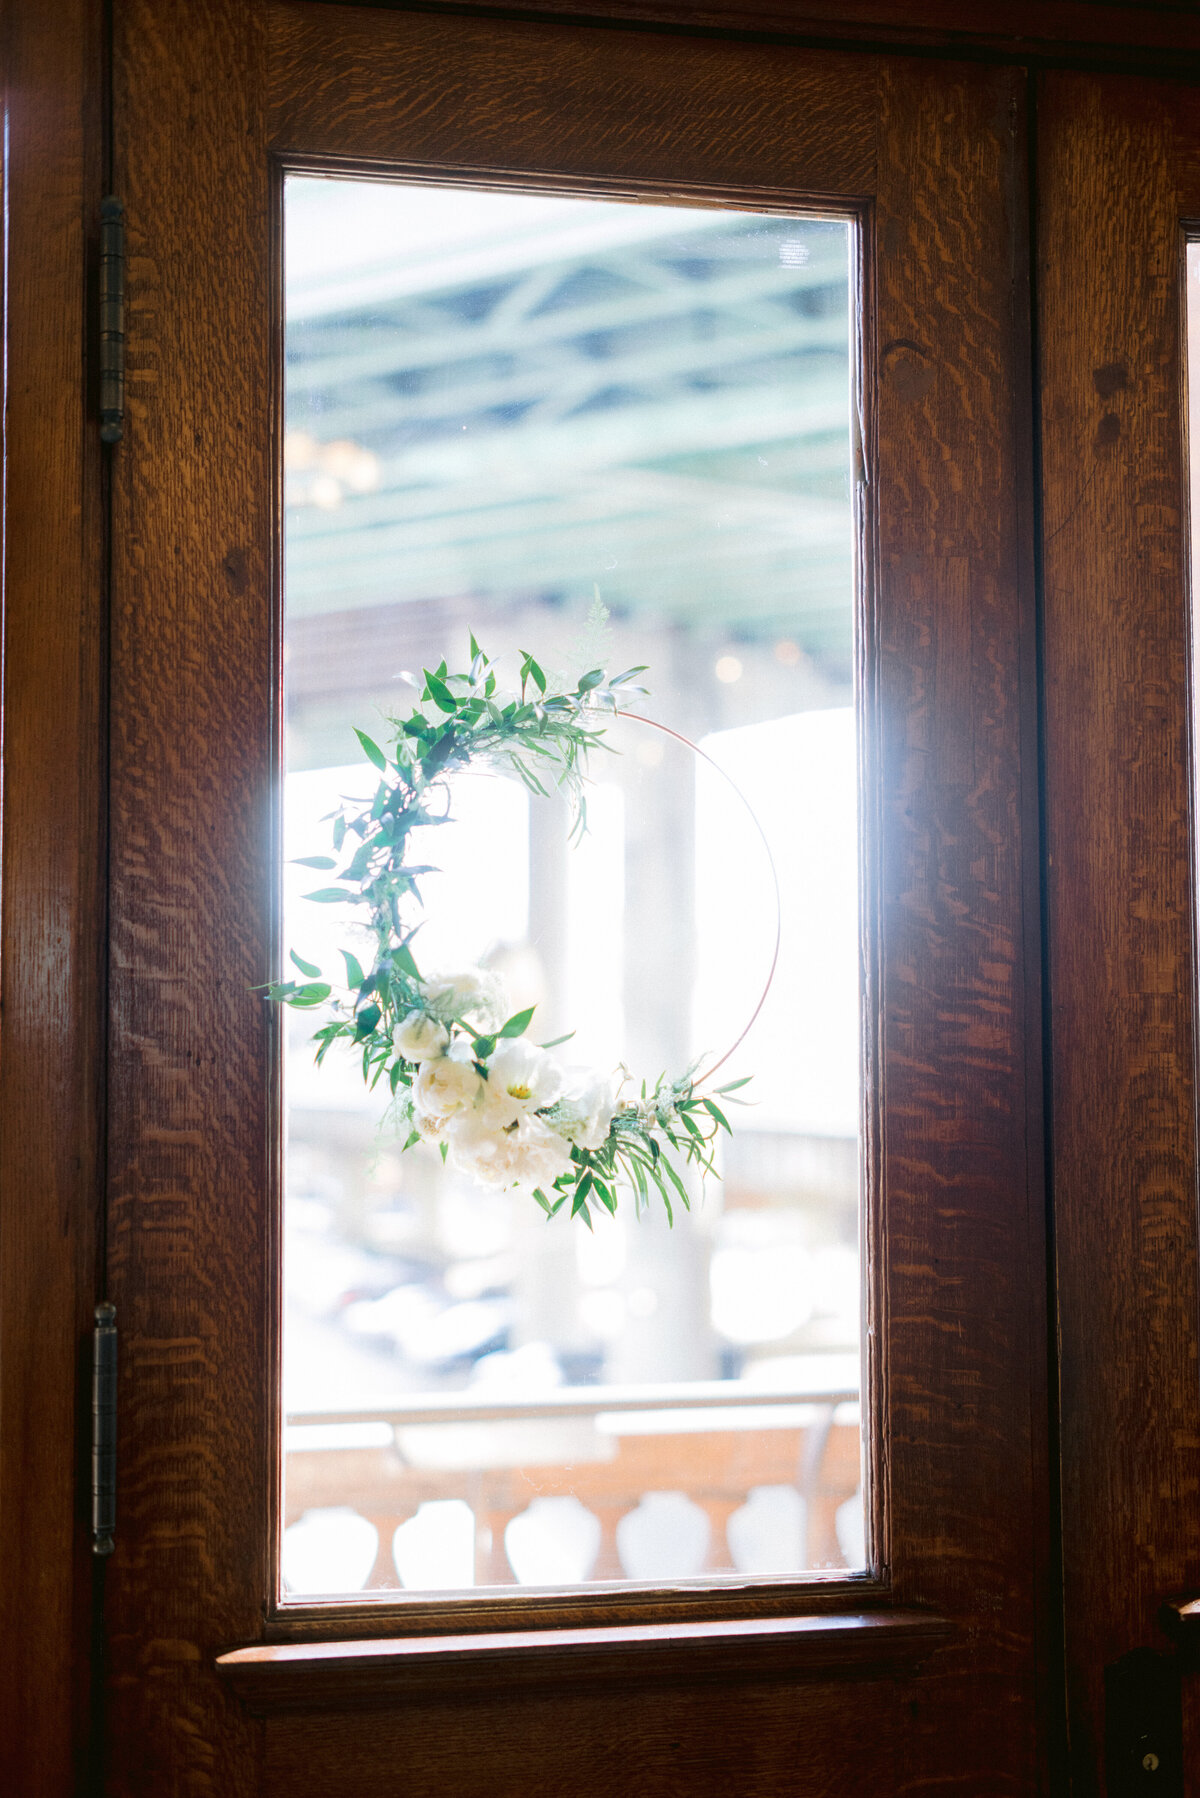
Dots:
pixel 932 156
pixel 1119 177
pixel 52 920
pixel 52 916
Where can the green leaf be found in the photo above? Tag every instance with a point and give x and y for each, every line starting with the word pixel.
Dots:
pixel 476 652
pixel 676 1182
pixel 367 1019
pixel 714 1110
pixel 339 831
pixel 518 1024
pixel 305 967
pixel 371 749
pixel 330 896
pixel 556 1040
pixel 354 973
pixel 411 1140
pixel 735 1084
pixel 530 779
pixel 590 680
pixel 402 958
pixel 579 1204
pixel 607 1196
pixel 313 994
pixel 314 861
pixel 440 693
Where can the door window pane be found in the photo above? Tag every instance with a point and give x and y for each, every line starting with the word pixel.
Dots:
pixel 607 433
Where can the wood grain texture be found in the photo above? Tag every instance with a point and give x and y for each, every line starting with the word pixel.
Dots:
pixel 1120 878
pixel 754 1741
pixel 1102 32
pixel 962 1240
pixel 359 86
pixel 51 906
pixel 958 1334
pixel 352 1675
pixel 190 846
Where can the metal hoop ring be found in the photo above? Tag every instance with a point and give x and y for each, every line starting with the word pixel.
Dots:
pixel 754 819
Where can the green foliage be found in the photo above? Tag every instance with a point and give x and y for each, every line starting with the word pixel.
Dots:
pixel 543 739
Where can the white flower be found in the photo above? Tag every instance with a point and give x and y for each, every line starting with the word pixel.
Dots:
pixel 447 1084
pixel 419 1037
pixel 521 1079
pixel 429 1129
pixel 466 993
pixel 527 1153
pixel 585 1109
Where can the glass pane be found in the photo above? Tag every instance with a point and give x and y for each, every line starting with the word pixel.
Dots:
pixel 607 434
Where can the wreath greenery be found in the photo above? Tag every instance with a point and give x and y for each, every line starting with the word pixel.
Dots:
pixel 462 1074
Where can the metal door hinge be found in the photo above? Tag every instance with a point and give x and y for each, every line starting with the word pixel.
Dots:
pixel 104 1429
pixel 112 319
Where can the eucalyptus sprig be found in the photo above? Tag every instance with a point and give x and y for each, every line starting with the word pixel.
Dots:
pixel 463 1074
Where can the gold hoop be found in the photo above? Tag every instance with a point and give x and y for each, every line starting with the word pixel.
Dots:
pixel 704 756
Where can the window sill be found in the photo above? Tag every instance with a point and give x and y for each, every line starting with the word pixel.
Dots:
pixel 287 1677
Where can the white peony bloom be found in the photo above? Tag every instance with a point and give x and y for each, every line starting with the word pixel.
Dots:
pixel 527 1153
pixel 447 1085
pixel 521 1079
pixel 585 1108
pixel 429 1129
pixel 419 1037
pixel 466 993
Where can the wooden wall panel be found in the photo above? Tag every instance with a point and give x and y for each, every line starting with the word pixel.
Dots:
pixel 741 1741
pixel 1120 910
pixel 190 877
pixel 51 907
pixel 958 1335
pixel 1107 33
pixel 961 1190
pixel 593 105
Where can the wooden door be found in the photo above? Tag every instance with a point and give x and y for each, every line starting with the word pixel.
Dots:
pixel 923 1673
pixel 1118 179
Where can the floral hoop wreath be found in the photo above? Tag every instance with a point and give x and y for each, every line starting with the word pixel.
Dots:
pixel 462 1073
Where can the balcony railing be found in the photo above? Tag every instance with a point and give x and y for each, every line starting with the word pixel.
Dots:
pixel 604 1483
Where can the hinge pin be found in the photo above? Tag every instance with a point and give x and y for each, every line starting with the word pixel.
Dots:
pixel 112 319
pixel 104 1429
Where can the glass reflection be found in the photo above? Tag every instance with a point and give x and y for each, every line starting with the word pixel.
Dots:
pixel 608 433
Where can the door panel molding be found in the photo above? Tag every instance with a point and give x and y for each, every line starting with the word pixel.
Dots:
pixel 1116 180
pixel 52 902
pixel 952 1027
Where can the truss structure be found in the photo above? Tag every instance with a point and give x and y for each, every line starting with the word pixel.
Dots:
pixel 650 402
